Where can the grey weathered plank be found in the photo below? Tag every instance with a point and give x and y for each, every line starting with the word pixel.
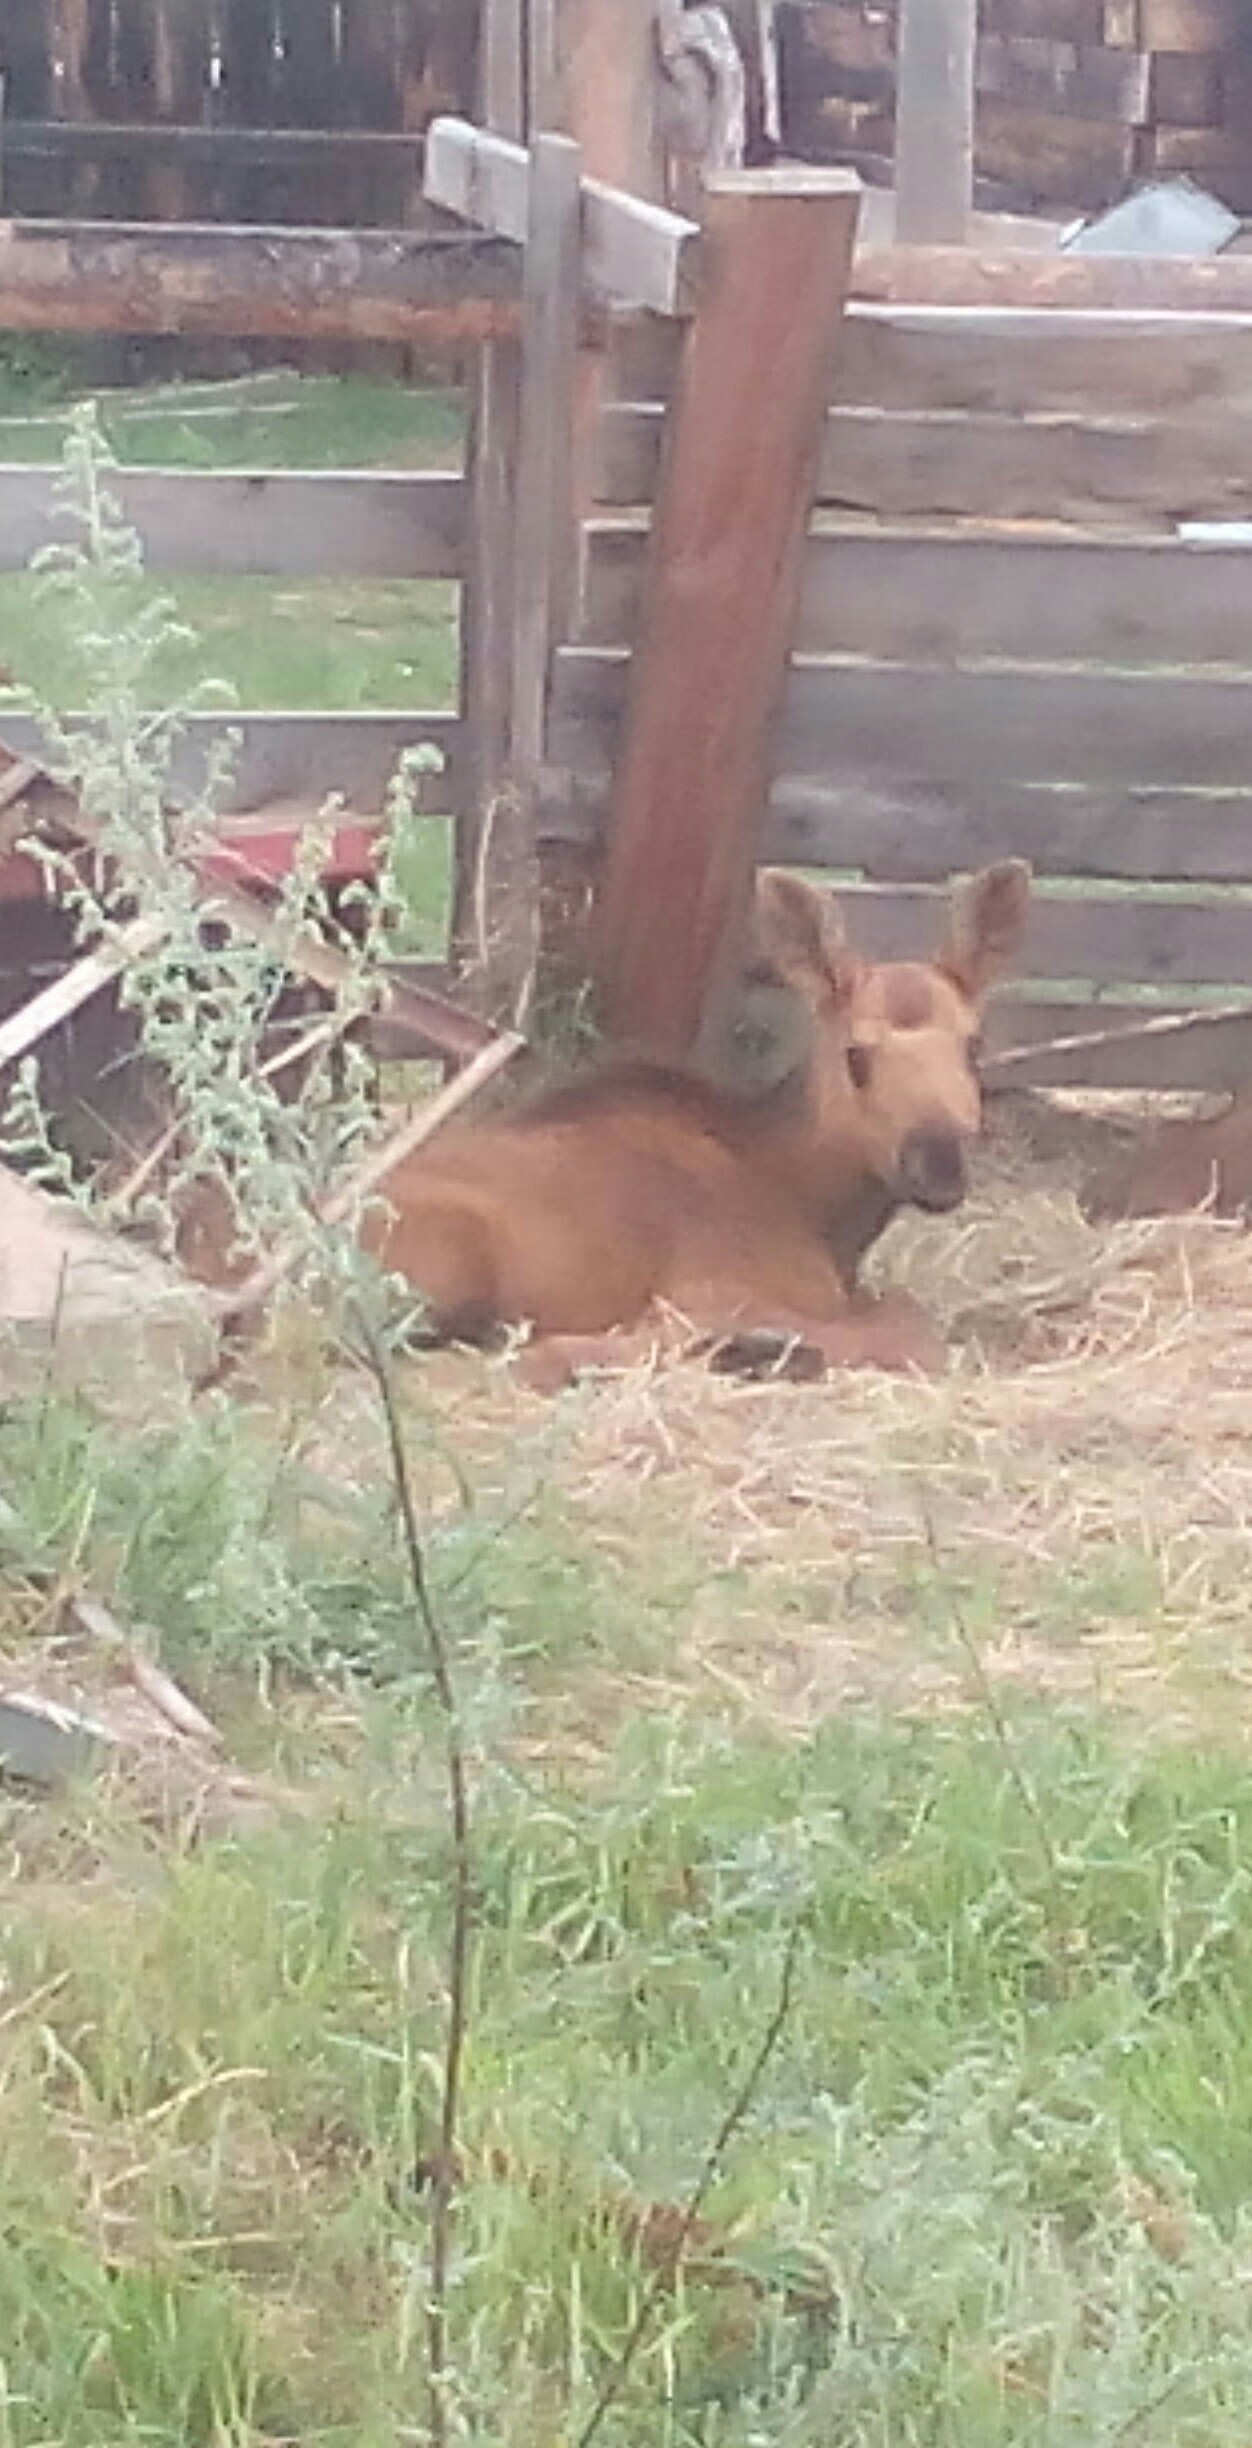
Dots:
pixel 634 252
pixel 1002 359
pixel 244 523
pixel 1213 1057
pixel 949 463
pixel 907 832
pixel 298 756
pixel 961 726
pixel 1086 470
pixel 1118 937
pixel 909 595
pixel 1001 274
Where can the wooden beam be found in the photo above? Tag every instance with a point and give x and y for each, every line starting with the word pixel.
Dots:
pixel 726 559
pixel 1011 359
pixel 909 595
pixel 304 757
pixel 915 832
pixel 1103 284
pixel 635 254
pixel 445 289
pixel 149 139
pixel 608 82
pixel 1147 728
pixel 935 121
pixel 1111 471
pixel 259 523
pixel 1210 1056
pixel 1110 938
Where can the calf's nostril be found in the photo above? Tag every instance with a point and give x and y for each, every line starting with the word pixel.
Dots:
pixel 932 1169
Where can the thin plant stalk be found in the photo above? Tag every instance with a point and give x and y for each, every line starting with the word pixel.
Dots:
pixel 738 2111
pixel 443 2169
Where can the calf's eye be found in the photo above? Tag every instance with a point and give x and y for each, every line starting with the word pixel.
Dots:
pixel 858 1065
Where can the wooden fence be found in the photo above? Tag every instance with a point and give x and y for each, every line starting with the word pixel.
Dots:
pixel 1004 642
pixel 226 109
pixel 1004 645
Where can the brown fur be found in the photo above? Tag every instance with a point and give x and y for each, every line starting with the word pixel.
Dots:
pixel 636 1197
pixel 1180 1167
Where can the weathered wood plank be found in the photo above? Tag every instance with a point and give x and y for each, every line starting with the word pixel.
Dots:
pixel 245 523
pixel 999 360
pixel 902 833
pixel 1114 937
pixel 1109 471
pixel 730 526
pixel 1079 81
pixel 974 276
pixel 1151 728
pixel 1215 1057
pixel 1049 157
pixel 411 286
pixel 150 139
pixel 904 595
pixel 946 463
pixel 634 252
pixel 912 832
pixel 297 756
pixel 1186 89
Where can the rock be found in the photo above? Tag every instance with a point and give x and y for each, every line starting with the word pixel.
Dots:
pixel 88 1311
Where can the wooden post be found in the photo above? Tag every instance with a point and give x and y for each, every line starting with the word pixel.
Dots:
pixel 935 121
pixel 521 557
pixel 542 109
pixel 607 81
pixel 507 889
pixel 551 300
pixel 605 97
pixel 724 569
pixel 487 594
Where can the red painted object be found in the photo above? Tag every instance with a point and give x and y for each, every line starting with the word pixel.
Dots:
pixel 260 851
pixel 253 852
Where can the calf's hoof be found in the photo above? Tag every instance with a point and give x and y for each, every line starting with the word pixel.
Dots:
pixel 763 1352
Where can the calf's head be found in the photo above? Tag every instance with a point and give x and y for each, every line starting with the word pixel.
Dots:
pixel 892 1078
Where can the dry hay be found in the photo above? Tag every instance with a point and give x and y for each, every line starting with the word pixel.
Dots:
pixel 1069 1511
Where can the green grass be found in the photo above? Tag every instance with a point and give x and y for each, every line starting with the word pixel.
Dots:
pixel 266 420
pixel 313 646
pixel 319 645
pixel 995 2191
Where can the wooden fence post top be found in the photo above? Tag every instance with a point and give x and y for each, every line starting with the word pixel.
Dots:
pixel 794 180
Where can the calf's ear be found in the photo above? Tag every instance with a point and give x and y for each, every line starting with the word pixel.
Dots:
pixel 986 922
pixel 800 931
